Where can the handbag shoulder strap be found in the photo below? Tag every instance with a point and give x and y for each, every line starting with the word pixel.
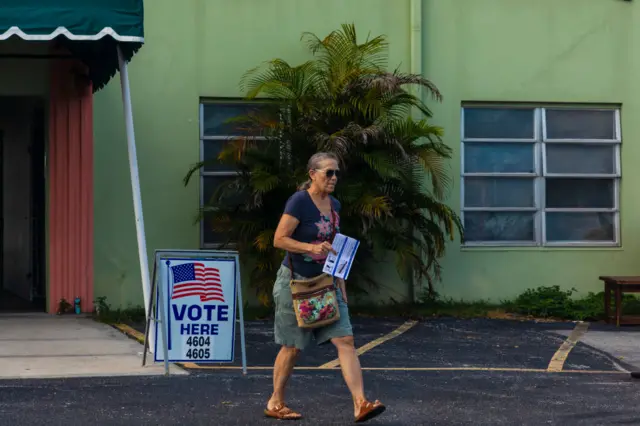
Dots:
pixel 333 235
pixel 333 222
pixel 290 260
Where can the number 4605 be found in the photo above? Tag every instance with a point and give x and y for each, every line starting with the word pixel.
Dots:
pixel 198 354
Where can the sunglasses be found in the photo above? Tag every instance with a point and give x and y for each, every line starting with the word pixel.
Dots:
pixel 330 173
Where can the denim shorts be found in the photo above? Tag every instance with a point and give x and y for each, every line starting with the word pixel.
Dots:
pixel 287 332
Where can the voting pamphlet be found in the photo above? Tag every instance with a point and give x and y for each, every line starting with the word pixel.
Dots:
pixel 339 264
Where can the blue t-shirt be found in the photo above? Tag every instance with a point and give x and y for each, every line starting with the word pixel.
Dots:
pixel 314 228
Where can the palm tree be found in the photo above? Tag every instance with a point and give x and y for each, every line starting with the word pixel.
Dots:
pixel 344 100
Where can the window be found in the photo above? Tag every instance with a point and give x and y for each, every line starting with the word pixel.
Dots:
pixel 216 129
pixel 541 176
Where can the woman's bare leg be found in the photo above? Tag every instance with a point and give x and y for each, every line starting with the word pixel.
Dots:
pixel 282 369
pixel 351 370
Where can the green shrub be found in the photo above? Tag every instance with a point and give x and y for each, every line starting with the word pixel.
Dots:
pixel 553 302
pixel 544 302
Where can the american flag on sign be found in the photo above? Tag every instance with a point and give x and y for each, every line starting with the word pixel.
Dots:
pixel 195 279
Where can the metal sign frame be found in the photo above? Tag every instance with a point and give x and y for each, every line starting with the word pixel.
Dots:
pixel 157 296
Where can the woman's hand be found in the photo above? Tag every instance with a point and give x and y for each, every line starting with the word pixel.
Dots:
pixel 321 249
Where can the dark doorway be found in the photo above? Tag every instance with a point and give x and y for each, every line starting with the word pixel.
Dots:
pixel 38 208
pixel 22 204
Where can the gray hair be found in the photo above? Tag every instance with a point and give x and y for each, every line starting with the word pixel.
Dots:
pixel 314 163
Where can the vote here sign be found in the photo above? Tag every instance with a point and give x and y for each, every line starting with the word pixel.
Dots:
pixel 200 310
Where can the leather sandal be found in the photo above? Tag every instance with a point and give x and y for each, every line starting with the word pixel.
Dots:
pixel 369 410
pixel 282 412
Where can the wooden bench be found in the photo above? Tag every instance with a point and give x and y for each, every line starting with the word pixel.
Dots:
pixel 619 285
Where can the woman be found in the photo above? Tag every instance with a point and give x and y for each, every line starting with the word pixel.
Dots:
pixel 304 231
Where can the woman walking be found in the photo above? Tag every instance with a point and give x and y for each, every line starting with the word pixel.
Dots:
pixel 306 229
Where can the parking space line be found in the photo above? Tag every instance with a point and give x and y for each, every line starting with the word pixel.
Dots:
pixel 414 369
pixel 362 349
pixel 557 362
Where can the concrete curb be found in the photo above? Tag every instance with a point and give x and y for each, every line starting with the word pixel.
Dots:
pixel 139 337
pixel 130 332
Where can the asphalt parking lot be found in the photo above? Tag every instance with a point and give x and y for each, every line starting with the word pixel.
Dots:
pixel 436 345
pixel 437 372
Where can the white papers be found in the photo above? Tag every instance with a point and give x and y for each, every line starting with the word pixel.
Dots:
pixel 339 265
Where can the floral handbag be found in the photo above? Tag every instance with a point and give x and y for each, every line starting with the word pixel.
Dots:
pixel 315 300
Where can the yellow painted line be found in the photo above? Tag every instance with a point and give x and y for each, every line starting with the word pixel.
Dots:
pixel 130 332
pixel 415 369
pixel 557 362
pixel 395 333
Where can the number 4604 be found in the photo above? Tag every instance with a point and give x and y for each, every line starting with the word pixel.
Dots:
pixel 196 341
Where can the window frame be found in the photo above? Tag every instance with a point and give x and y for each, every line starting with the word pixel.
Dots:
pixel 203 174
pixel 540 174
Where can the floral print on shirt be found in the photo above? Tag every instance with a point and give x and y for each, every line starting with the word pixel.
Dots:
pixel 325 229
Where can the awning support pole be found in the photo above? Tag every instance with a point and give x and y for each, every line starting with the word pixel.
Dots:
pixel 135 186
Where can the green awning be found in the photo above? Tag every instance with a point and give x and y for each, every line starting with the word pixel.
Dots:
pixel 90 29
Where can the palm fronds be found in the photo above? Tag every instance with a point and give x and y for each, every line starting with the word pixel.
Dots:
pixel 345 101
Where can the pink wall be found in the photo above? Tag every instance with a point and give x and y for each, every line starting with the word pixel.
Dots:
pixel 70 164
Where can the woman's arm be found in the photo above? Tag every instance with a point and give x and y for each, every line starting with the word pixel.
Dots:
pixel 282 238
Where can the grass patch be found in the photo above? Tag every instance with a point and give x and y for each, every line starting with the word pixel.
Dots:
pixel 132 315
pixel 105 313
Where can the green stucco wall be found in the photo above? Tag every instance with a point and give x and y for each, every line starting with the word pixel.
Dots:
pixel 196 48
pixel 537 51
pixel 474 50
